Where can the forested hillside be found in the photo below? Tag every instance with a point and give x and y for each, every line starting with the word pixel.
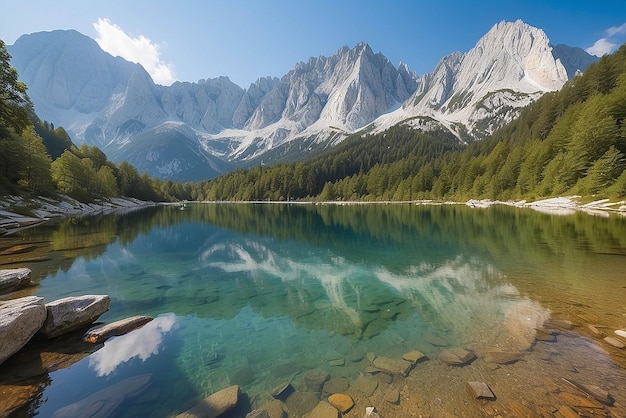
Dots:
pixel 568 142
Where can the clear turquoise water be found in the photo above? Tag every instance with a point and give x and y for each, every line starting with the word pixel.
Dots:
pixel 257 295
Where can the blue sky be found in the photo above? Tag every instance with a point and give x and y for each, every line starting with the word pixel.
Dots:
pixel 189 40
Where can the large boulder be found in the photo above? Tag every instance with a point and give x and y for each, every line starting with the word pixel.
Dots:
pixel 14 279
pixel 20 319
pixel 74 312
pixel 214 405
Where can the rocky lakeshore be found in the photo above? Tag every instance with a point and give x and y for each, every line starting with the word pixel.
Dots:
pixel 29 319
pixel 17 212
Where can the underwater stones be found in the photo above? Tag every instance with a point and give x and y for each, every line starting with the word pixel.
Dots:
pixel 282 391
pixel 323 410
pixel 14 397
pixel 436 340
pixel 20 319
pixel 614 342
pixel 213 358
pixel 392 395
pixel 275 409
pixel 578 401
pixel 108 401
pixel 370 355
pixel 413 356
pixel 314 380
pixel 121 327
pixel 342 402
pixel 214 405
pixel 14 279
pixel 393 365
pixel 356 356
pixel 365 385
pixel 337 362
pixel 370 412
pixel 74 312
pixel 594 391
pixel 502 357
pixel 336 385
pixel 480 390
pixel 456 356
pixel 258 413
pixel 621 333
pixel 301 403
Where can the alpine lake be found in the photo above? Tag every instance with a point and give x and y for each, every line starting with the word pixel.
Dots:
pixel 329 298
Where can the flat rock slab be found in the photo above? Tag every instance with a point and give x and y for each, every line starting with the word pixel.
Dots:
pixel 456 356
pixel 106 402
pixel 314 380
pixel 121 327
pixel 336 385
pixel 72 313
pixel 436 340
pixel 323 410
pixel 594 391
pixel 502 357
pixel 214 405
pixel 392 395
pixel 480 390
pixel 301 403
pixel 20 319
pixel 393 365
pixel 614 342
pixel 258 413
pixel 365 385
pixel 413 356
pixel 14 279
pixel 342 402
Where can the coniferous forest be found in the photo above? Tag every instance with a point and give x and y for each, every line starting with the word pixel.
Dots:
pixel 568 142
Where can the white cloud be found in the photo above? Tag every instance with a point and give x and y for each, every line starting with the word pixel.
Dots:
pixel 600 47
pixel 608 44
pixel 142 50
pixel 614 30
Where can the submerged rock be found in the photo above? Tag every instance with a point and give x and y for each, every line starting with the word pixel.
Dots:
pixel 106 402
pixel 365 385
pixel 121 327
pixel 71 313
pixel 456 356
pixel 301 403
pixel 436 340
pixel 214 405
pixel 282 391
pixel 614 342
pixel 314 380
pixel 502 357
pixel 480 390
pixel 14 279
pixel 342 402
pixel 336 385
pixel 323 410
pixel 393 365
pixel 413 356
pixel 20 319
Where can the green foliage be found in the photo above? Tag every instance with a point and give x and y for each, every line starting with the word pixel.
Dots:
pixel 14 102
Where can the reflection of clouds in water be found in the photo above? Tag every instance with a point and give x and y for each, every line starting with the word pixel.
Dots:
pixel 257 259
pixel 143 343
pixel 471 299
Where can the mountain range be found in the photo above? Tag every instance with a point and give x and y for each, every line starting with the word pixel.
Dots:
pixel 198 130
